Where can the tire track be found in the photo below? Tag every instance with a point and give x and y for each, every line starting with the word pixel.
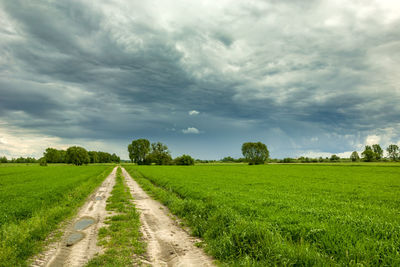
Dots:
pixel 64 253
pixel 168 244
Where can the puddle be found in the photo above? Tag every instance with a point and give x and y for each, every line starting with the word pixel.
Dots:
pixel 74 238
pixel 99 198
pixel 84 223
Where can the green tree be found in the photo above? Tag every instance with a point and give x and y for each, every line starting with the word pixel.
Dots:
pixel 42 161
pixel 368 154
pixel 378 151
pixel 393 152
pixel 52 155
pixel 130 152
pixel 104 157
pixel 3 159
pixel 138 150
pixel 354 156
pixel 77 155
pixel 62 156
pixel 255 153
pixel 228 159
pixel 115 158
pixel 94 157
pixel 184 160
pixel 334 158
pixel 160 154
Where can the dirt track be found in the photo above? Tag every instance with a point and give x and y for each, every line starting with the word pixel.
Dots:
pixel 168 244
pixel 64 254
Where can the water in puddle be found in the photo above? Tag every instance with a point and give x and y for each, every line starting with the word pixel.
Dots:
pixel 99 198
pixel 74 238
pixel 83 223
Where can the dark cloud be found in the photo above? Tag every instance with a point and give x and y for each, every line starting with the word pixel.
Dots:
pixel 315 76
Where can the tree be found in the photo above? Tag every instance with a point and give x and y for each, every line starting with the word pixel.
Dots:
pixel 160 154
pixel 130 152
pixel 104 157
pixel 42 161
pixel 288 160
pixel 184 160
pixel 115 158
pixel 3 159
pixel 62 156
pixel 334 158
pixel 354 156
pixel 368 154
pixel 228 159
pixel 52 155
pixel 378 151
pixel 393 151
pixel 255 153
pixel 138 150
pixel 77 155
pixel 94 157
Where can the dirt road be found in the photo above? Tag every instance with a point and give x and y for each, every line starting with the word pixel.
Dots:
pixel 168 244
pixel 78 244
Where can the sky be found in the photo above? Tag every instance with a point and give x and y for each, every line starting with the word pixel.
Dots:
pixel 310 78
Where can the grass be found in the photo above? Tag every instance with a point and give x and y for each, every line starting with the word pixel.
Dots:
pixel 121 238
pixel 300 214
pixel 33 202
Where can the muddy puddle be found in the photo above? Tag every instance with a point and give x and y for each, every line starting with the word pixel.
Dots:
pixel 74 238
pixel 84 223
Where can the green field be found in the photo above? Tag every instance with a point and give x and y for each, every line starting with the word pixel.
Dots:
pixel 35 199
pixel 285 214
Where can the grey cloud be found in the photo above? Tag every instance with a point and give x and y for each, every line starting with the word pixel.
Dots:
pixel 103 72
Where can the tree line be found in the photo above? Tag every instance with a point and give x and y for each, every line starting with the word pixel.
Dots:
pixel 257 153
pixel 78 156
pixel 18 160
pixel 375 153
pixel 142 152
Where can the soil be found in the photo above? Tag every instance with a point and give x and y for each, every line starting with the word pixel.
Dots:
pixel 79 242
pixel 167 243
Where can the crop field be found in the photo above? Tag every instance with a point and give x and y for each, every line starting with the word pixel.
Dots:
pixel 285 214
pixel 35 199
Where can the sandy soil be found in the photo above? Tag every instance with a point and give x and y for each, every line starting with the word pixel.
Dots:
pixel 167 243
pixel 78 254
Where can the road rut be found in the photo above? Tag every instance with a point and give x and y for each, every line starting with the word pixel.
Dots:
pixel 89 219
pixel 168 244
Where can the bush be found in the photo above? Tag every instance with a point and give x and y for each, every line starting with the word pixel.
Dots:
pixel 184 160
pixel 42 162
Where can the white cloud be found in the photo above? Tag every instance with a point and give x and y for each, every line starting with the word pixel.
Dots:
pixel 193 112
pixel 372 139
pixel 17 142
pixel 191 130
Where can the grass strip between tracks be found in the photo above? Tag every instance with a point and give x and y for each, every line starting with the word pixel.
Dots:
pixel 121 238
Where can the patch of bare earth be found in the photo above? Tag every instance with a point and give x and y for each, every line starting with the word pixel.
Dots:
pixel 168 244
pixel 79 242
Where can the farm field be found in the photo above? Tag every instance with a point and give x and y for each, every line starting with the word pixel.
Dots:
pixel 35 199
pixel 297 214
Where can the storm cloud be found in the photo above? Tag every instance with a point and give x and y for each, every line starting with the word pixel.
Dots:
pixel 304 77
